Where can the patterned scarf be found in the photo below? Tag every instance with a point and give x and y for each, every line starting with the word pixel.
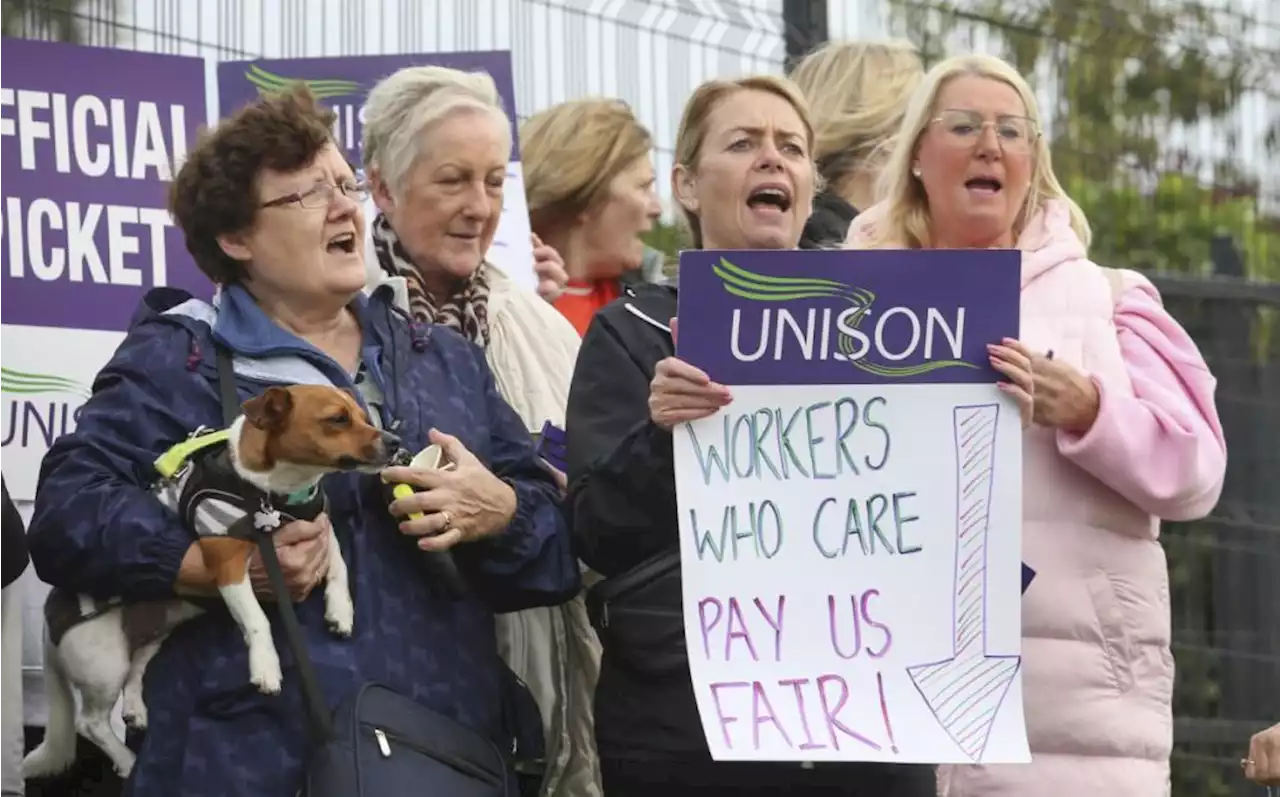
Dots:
pixel 467 308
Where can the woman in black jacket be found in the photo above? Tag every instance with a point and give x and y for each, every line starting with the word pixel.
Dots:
pixel 858 91
pixel 628 391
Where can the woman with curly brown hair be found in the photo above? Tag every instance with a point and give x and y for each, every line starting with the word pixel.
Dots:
pixel 271 212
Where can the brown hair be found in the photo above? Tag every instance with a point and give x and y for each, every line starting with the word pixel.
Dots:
pixel 572 152
pixel 216 190
pixel 697 116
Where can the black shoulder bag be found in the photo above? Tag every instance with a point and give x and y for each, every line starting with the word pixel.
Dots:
pixel 379 743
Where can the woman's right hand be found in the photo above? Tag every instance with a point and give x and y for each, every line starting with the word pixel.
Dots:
pixel 680 393
pixel 302 547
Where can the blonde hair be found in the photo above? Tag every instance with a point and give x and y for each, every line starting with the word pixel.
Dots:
pixel 572 152
pixel 696 118
pixel 903 222
pixel 858 92
pixel 408 103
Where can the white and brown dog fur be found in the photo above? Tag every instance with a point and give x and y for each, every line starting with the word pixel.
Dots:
pixel 282 444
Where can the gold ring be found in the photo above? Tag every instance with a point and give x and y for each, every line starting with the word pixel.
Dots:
pixel 448 521
pixel 1245 763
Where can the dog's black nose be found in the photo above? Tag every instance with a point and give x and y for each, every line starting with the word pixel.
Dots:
pixel 390 441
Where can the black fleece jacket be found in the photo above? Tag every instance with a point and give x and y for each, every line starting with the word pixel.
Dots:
pixel 14 552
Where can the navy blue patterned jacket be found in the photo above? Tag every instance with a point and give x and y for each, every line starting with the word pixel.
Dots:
pixel 96 530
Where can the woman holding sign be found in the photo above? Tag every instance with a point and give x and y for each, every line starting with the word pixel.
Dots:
pixel 1122 432
pixel 745 179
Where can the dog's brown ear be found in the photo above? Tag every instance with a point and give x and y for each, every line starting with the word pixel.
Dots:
pixel 270 410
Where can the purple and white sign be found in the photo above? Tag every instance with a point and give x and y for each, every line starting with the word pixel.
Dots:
pixel 89 141
pixel 90 138
pixel 850 524
pixel 342 83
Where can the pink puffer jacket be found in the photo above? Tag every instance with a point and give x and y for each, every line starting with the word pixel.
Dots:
pixel 1097 668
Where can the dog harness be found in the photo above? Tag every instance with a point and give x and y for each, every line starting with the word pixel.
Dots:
pixel 199 484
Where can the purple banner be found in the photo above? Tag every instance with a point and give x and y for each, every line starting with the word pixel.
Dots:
pixel 846 317
pixel 342 83
pixel 89 138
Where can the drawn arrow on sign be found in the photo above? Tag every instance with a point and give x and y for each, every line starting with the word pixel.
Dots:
pixel 965 691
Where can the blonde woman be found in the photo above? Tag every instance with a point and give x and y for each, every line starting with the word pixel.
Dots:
pixel 740 144
pixel 436 143
pixel 1121 432
pixel 590 185
pixel 858 91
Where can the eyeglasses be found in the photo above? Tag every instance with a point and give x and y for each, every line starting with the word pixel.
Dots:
pixel 320 195
pixel 964 129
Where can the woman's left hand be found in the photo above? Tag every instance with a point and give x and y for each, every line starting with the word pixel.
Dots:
pixel 463 504
pixel 1060 397
pixel 549 268
pixel 1262 766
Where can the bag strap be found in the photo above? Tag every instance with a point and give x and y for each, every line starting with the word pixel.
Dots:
pixel 313 697
pixel 1115 279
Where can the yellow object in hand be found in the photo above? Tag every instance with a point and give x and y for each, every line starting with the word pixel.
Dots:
pixel 426 459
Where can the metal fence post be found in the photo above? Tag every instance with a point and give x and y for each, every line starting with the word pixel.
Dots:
pixel 806 27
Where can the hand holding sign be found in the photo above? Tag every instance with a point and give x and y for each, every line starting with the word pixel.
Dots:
pixel 680 393
pixel 1014 361
pixel 1065 398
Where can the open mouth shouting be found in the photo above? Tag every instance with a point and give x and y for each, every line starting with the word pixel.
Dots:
pixel 983 186
pixel 344 243
pixel 770 200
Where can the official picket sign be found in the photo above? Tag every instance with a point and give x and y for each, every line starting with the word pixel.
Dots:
pixel 89 140
pixel 342 84
pixel 850 525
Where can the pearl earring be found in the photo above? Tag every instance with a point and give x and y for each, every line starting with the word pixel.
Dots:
pixel 916 172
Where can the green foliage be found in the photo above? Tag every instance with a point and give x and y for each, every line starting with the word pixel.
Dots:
pixel 1170 228
pixel 668 239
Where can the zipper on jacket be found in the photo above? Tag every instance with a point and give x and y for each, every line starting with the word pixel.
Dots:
pixel 457 763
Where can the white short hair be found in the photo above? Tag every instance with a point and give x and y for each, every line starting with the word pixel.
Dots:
pixel 407 103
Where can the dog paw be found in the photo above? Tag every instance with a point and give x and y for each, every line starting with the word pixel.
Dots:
pixel 264 669
pixel 339 612
pixel 124 768
pixel 134 712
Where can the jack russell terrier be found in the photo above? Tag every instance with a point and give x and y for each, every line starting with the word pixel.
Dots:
pixel 226 487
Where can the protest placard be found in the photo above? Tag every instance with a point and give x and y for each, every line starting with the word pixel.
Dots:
pixel 342 83
pixel 89 139
pixel 850 525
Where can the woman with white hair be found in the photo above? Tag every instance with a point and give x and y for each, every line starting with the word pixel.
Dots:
pixel 436 147
pixel 858 91
pixel 1121 432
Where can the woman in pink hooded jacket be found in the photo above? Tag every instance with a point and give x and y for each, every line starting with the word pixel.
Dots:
pixel 1121 432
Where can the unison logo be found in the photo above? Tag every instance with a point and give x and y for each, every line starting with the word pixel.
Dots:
pixel 22 383
pixel 40 408
pixel 268 82
pixel 837 333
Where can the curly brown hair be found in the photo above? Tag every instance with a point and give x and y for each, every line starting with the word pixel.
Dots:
pixel 216 190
